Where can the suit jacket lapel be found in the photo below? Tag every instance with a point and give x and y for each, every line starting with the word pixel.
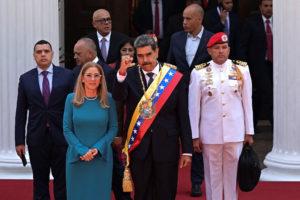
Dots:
pixel 36 86
pixel 54 84
pixel 201 46
pixel 112 46
pixel 97 45
pixel 182 48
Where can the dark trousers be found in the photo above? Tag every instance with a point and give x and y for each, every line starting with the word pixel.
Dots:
pixel 197 169
pixel 43 158
pixel 154 180
pixel 117 179
pixel 263 92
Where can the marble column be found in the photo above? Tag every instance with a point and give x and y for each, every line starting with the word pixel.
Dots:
pixel 283 162
pixel 22 24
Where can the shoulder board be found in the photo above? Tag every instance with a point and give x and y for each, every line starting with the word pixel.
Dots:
pixel 201 66
pixel 171 66
pixel 241 63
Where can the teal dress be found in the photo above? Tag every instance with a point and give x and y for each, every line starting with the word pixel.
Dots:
pixel 85 127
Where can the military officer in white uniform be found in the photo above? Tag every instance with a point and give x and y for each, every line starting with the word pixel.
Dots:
pixel 220 110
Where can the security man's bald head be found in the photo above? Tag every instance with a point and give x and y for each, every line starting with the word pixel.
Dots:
pixel 192 19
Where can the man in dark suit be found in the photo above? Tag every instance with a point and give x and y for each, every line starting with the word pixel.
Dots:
pixel 42 91
pixel 106 40
pixel 222 19
pixel 256 47
pixel 187 49
pixel 154 162
pixel 194 34
pixel 85 51
pixel 174 25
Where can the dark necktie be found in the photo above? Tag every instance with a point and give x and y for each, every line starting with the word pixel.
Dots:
pixel 269 36
pixel 205 3
pixel 150 75
pixel 103 49
pixel 46 87
pixel 156 25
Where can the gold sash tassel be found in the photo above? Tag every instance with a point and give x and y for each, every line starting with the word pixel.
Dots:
pixel 127 182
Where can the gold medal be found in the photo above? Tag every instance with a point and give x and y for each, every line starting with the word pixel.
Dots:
pixel 209 93
pixel 147 109
pixel 208 69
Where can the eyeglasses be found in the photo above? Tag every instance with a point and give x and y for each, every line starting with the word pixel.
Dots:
pixel 90 76
pixel 103 20
pixel 129 50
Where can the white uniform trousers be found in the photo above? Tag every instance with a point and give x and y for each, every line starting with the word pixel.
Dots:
pixel 220 170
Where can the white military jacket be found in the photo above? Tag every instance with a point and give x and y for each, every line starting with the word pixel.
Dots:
pixel 220 105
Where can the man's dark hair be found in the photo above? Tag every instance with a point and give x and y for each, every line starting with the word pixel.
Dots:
pixel 42 42
pixel 260 1
pixel 145 40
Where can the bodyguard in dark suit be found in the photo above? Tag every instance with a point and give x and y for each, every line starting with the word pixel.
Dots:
pixel 256 47
pixel 85 51
pixel 108 52
pixel 42 91
pixel 187 49
pixel 222 19
pixel 179 52
pixel 154 163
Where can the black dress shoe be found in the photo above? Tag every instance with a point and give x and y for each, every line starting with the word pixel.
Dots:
pixel 196 190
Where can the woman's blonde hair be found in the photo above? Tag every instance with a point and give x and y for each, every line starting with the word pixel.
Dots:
pixel 79 90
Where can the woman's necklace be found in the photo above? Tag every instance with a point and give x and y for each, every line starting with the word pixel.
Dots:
pixel 146 107
pixel 91 98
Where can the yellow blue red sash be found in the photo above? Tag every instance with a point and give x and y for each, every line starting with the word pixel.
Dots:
pixel 169 78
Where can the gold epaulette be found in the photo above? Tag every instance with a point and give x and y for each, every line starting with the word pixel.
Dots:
pixel 241 63
pixel 201 66
pixel 171 66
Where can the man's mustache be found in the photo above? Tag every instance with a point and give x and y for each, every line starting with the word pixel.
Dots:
pixel 146 63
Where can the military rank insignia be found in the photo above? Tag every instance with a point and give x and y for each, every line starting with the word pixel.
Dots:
pixel 241 63
pixel 201 66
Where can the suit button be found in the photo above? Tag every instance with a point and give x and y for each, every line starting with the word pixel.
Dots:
pixel 221 70
pixel 224 115
pixel 222 92
pixel 222 81
pixel 223 104
pixel 151 130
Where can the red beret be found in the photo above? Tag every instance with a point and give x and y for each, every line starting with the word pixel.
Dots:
pixel 218 38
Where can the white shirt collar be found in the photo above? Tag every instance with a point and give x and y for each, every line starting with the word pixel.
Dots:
pixel 106 37
pixel 50 69
pixel 197 36
pixel 264 19
pixel 220 66
pixel 155 70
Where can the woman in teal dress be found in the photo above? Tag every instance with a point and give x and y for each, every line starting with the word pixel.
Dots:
pixel 90 125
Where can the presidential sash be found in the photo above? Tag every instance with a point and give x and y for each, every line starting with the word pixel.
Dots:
pixel 160 90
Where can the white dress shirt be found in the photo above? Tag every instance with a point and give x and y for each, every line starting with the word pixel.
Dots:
pixel 155 71
pixel 191 46
pixel 49 76
pixel 220 109
pixel 107 42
